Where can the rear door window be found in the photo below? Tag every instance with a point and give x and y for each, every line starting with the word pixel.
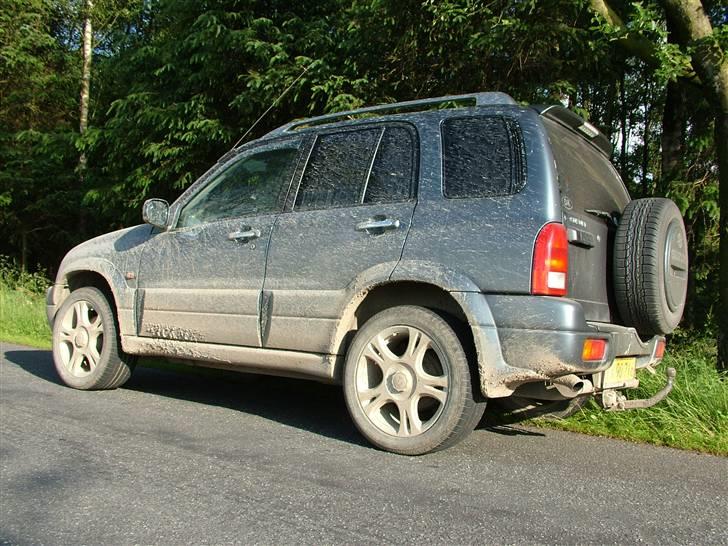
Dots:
pixel 370 165
pixel 482 157
pixel 393 171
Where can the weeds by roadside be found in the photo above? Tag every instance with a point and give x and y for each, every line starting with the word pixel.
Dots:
pixel 694 416
pixel 22 306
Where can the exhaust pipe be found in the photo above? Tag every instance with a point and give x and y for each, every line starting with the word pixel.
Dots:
pixel 572 385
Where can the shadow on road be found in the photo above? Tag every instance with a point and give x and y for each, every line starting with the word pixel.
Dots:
pixel 298 403
pixel 36 362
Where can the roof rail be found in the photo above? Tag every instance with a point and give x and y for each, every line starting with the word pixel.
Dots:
pixel 478 99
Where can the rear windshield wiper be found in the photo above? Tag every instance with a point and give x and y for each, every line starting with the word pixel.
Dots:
pixel 613 218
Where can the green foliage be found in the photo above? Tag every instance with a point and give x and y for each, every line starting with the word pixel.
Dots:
pixel 13 277
pixel 22 305
pixel 22 318
pixel 176 83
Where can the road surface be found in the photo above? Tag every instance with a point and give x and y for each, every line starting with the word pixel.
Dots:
pixel 185 458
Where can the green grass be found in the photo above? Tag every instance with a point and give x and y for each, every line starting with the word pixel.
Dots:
pixel 694 416
pixel 22 318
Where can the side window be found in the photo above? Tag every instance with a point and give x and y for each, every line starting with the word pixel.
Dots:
pixel 372 165
pixel 482 157
pixel 337 170
pixel 252 184
pixel 392 176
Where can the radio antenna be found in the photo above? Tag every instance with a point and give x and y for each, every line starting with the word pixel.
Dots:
pixel 286 90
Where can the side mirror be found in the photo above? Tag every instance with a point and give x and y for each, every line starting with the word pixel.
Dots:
pixel 156 212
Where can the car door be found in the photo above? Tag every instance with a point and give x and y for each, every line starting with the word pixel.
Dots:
pixel 201 279
pixel 349 218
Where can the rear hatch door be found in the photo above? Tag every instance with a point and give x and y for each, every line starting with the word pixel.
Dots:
pixel 592 197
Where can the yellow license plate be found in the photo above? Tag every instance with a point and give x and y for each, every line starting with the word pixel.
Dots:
pixel 622 370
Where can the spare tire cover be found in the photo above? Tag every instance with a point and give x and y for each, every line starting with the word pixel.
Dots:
pixel 651 266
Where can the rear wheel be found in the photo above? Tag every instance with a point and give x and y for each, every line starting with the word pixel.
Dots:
pixel 86 348
pixel 407 382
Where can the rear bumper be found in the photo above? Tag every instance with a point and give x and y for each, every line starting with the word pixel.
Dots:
pixel 544 338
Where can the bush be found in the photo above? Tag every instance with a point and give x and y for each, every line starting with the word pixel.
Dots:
pixel 13 277
pixel 22 305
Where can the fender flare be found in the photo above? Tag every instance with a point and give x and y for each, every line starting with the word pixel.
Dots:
pixel 123 295
pixel 497 378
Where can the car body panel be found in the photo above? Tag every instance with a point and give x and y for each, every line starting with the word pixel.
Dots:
pixel 198 285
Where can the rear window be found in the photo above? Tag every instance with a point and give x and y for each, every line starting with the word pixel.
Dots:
pixel 482 157
pixel 586 177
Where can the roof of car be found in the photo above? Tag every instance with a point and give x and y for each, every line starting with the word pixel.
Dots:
pixel 472 99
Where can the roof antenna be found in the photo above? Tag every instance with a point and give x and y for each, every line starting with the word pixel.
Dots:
pixel 286 90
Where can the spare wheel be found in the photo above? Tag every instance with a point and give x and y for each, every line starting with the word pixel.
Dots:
pixel 651 266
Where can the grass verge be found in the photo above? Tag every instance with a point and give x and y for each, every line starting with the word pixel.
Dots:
pixel 694 416
pixel 22 318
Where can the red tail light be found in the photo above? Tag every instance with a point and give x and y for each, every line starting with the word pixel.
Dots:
pixel 550 261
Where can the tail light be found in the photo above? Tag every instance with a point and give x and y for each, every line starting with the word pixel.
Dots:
pixel 550 261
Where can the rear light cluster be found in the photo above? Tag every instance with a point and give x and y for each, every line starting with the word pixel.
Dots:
pixel 550 261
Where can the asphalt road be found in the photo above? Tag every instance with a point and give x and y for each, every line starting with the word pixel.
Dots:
pixel 182 458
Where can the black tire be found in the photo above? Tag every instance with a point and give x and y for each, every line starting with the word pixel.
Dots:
pixel 86 345
pixel 651 266
pixel 449 420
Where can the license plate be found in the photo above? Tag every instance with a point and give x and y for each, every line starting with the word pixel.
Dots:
pixel 622 370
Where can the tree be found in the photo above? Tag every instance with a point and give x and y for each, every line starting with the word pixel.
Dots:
pixel 705 49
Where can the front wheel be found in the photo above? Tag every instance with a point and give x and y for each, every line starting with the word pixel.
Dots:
pixel 407 382
pixel 86 348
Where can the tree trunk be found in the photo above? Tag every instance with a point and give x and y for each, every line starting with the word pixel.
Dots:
pixel 673 134
pixel 23 250
pixel 87 47
pixel 86 69
pixel 646 149
pixel 721 144
pixel 623 130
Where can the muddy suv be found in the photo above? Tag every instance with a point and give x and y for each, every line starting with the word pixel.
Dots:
pixel 428 255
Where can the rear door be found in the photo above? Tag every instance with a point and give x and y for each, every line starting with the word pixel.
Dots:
pixel 592 194
pixel 349 218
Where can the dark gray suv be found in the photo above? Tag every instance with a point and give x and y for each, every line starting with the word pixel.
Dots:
pixel 429 255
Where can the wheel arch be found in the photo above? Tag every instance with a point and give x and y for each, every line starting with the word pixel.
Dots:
pixel 387 294
pixel 102 275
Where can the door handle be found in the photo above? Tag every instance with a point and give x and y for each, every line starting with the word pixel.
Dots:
pixel 378 225
pixel 244 235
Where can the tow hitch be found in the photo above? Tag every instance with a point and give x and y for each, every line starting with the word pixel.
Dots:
pixel 613 400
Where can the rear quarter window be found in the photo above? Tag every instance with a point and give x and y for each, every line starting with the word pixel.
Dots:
pixel 482 157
